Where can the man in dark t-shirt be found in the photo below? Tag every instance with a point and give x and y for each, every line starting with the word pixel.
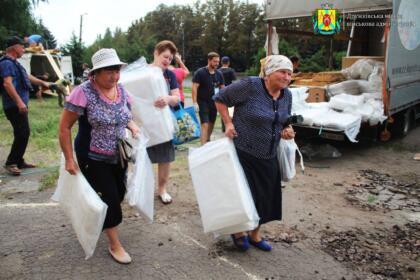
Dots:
pixel 206 82
pixel 228 76
pixel 228 72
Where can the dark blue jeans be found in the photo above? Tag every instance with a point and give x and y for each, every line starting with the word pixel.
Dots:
pixel 21 132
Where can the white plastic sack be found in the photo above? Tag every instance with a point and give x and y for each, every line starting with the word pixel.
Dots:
pixel 274 42
pixel 223 195
pixel 375 78
pixel 361 69
pixel 346 102
pixel 299 96
pixel 353 87
pixel 140 181
pixel 350 123
pixel 372 95
pixel 372 111
pixel 82 205
pixel 310 114
pixel 145 85
pixel 366 110
pixel 286 155
pixel 135 66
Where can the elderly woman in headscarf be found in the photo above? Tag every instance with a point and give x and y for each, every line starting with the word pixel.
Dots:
pixel 262 107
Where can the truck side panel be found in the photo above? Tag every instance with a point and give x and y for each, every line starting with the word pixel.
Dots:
pixel 403 63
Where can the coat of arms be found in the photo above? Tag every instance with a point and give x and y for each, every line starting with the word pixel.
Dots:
pixel 326 20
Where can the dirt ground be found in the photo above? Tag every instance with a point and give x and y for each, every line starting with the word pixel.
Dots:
pixel 352 217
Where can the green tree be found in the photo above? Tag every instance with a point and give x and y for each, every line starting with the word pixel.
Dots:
pixel 75 49
pixel 229 27
pixel 16 18
pixel 315 63
pixel 246 33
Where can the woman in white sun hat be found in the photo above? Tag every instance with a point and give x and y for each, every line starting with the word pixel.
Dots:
pixel 262 106
pixel 102 107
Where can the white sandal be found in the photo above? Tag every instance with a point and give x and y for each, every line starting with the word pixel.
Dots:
pixel 165 198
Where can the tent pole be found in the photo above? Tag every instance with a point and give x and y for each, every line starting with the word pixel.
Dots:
pixel 351 38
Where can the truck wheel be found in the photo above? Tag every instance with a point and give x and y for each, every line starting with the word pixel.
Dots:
pixel 402 123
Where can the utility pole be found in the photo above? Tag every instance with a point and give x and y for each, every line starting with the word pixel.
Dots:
pixel 81 27
pixel 183 42
pixel 182 25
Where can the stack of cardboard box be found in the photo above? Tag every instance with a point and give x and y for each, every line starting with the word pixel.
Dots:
pixel 317 82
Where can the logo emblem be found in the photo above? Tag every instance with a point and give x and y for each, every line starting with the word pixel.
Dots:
pixel 326 20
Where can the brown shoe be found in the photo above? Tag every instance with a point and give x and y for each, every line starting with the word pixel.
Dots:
pixel 26 165
pixel 13 169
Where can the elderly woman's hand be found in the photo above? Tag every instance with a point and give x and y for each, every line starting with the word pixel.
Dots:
pixel 135 130
pixel 288 133
pixel 162 101
pixel 71 166
pixel 230 130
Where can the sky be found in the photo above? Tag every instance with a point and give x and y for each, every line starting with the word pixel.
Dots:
pixel 62 17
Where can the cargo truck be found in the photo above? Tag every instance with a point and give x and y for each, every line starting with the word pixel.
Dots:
pixel 381 29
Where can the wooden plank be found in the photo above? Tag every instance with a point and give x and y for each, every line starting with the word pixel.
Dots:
pixel 330 76
pixel 54 65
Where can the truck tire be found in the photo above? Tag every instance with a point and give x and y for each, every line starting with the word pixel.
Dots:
pixel 402 123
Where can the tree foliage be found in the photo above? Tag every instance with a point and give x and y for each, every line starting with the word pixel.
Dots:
pixel 229 27
pixel 76 50
pixel 16 19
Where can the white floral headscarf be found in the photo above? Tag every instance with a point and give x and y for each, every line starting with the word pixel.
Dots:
pixel 277 62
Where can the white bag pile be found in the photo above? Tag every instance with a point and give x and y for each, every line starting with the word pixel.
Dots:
pixel 146 84
pixel 351 102
pixel 141 181
pixel 223 195
pixel 82 205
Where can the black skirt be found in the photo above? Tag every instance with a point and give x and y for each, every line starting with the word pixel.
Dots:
pixel 264 180
pixel 162 153
pixel 108 181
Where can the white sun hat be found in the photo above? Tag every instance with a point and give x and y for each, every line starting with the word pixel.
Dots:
pixel 105 58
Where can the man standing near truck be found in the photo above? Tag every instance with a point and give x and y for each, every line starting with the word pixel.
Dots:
pixel 15 84
pixel 206 82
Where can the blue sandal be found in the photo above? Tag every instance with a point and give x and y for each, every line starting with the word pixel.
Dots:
pixel 240 242
pixel 262 245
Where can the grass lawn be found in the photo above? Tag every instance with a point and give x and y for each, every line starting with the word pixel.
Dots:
pixel 43 148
